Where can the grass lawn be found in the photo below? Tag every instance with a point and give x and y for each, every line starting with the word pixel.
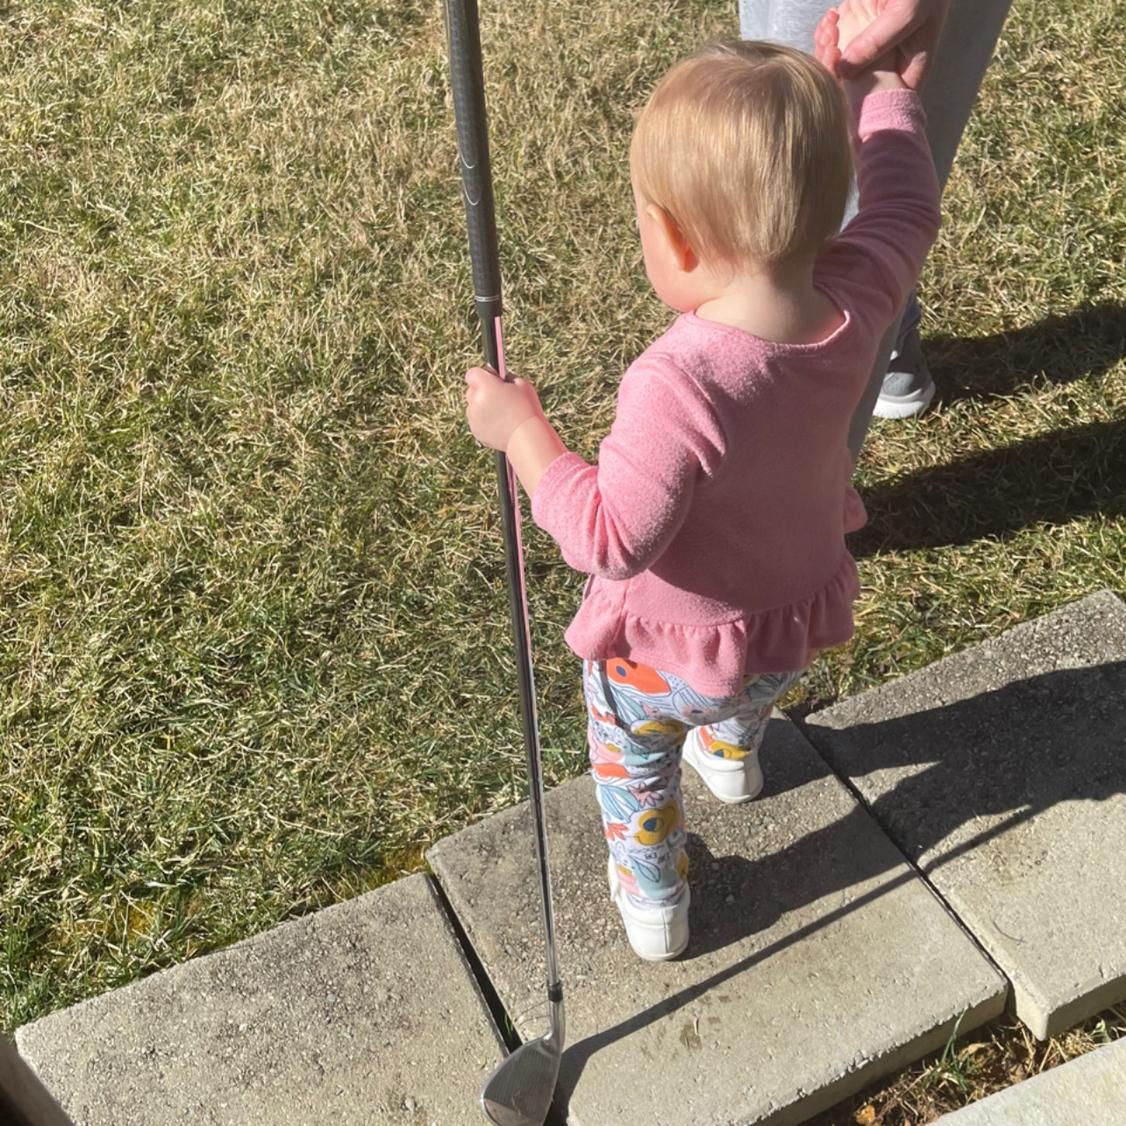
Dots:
pixel 254 653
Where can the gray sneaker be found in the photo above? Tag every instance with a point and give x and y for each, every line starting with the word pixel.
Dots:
pixel 908 388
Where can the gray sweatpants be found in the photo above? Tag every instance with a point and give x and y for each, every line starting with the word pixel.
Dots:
pixel 948 95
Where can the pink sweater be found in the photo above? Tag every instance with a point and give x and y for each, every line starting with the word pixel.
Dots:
pixel 713 523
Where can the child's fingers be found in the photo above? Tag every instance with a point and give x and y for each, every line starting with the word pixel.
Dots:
pixel 480 377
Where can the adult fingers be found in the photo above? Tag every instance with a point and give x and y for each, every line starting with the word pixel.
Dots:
pixel 825 37
pixel 916 69
pixel 878 38
pixel 923 44
pixel 829 56
pixel 826 29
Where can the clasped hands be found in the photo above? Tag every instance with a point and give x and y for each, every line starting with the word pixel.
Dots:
pixel 857 34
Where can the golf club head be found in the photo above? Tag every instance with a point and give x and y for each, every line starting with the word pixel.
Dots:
pixel 520 1091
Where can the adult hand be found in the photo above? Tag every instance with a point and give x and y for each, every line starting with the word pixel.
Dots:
pixel 495 408
pixel 909 27
pixel 840 26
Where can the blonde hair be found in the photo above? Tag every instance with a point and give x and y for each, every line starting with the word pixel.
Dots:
pixel 746 146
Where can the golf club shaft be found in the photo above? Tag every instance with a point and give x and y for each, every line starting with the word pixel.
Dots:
pixel 467 83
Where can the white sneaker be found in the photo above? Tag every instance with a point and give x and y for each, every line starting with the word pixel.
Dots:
pixel 655 933
pixel 732 780
pixel 907 388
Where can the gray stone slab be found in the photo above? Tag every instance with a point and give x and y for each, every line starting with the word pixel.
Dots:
pixel 818 960
pixel 1088 1091
pixel 1001 772
pixel 362 1013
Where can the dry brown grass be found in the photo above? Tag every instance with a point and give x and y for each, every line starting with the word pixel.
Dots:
pixel 972 1067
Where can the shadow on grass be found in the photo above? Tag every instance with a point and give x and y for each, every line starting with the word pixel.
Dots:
pixel 1062 349
pixel 1051 479
pixel 1005 755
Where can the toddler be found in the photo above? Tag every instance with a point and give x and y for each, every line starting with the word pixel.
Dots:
pixel 712 526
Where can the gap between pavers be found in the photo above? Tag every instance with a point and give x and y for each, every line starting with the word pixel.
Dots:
pixel 819 961
pixel 1001 772
pixel 1088 1091
pixel 365 1012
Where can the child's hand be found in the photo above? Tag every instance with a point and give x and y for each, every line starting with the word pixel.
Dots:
pixel 496 409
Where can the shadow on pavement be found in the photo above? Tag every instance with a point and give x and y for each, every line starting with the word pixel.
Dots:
pixel 1001 756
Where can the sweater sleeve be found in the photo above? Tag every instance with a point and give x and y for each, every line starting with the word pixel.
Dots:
pixel 615 518
pixel 883 248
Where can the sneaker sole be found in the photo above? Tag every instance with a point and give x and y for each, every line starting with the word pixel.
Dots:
pixel 692 756
pixel 904 406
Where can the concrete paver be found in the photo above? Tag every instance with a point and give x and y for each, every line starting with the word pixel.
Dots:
pixel 818 960
pixel 1088 1091
pixel 362 1013
pixel 1001 772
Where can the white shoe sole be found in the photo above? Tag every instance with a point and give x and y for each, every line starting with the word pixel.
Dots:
pixel 731 781
pixel 659 939
pixel 904 406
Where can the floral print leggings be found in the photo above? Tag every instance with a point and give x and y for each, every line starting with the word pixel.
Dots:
pixel 638 719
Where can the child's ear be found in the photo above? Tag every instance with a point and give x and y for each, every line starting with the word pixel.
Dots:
pixel 672 237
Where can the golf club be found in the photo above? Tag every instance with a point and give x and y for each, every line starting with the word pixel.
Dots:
pixel 520 1091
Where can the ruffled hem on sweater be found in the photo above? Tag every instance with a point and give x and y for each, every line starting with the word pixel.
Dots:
pixel 715 658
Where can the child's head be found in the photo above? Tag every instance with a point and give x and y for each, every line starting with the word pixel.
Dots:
pixel 745 146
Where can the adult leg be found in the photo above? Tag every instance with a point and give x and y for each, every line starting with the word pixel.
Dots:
pixel 948 95
pixel 782 21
